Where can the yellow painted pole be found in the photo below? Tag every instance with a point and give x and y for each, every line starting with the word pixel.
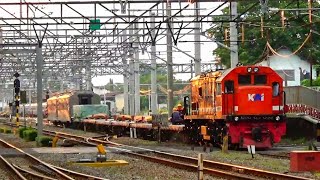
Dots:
pixel 54 141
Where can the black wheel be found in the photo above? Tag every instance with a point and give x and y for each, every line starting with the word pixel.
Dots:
pixel 211 147
pixel 204 148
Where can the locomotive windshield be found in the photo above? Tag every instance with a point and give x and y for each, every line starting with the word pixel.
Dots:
pixel 244 79
pixel 260 79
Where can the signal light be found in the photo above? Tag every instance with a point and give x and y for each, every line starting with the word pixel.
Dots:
pixel 256 69
pixel 277 118
pixel 236 118
pixel 249 69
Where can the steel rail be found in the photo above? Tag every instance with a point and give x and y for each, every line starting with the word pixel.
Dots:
pixel 230 167
pixel 192 167
pixel 207 163
pixel 32 174
pixel 77 174
pixel 275 156
pixel 152 158
pixel 86 140
pixel 60 174
pixel 12 168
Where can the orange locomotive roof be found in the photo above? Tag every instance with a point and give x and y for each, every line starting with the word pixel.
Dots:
pixel 208 74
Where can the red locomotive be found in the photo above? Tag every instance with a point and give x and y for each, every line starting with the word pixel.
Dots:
pixel 247 103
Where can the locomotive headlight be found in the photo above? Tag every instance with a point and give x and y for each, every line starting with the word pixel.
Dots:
pixel 256 69
pixel 277 118
pixel 249 69
pixel 236 118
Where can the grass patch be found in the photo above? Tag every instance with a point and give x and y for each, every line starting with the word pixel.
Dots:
pixel 245 159
pixel 298 141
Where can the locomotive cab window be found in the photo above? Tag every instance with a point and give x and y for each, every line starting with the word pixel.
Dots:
pixel 244 79
pixel 228 87
pixel 218 89
pixel 275 89
pixel 260 79
pixel 84 100
pixel 200 91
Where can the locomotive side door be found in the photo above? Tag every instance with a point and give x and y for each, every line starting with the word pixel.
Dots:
pixel 228 97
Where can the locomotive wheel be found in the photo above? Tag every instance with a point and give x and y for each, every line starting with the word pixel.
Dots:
pixel 211 147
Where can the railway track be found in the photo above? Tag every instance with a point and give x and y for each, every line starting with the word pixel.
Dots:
pixel 277 156
pixel 29 165
pixel 26 166
pixel 224 170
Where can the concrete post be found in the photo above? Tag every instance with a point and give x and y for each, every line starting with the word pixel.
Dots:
pixel 169 60
pixel 154 100
pixel 88 80
pixel 125 78
pixel 136 72
pixel 1 41
pixel 197 45
pixel 39 61
pixel 234 36
pixel 131 87
pixel 61 86
pixel 131 73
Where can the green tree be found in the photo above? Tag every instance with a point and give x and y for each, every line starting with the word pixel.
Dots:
pixel 254 47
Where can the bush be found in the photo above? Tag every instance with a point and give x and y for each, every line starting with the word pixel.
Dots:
pixel 30 134
pixel 1 130
pixel 315 82
pixel 7 131
pixel 21 130
pixel 44 141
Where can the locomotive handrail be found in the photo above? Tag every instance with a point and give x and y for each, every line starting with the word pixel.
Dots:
pixel 284 103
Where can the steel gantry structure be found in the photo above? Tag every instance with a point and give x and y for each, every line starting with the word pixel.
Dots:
pixel 84 39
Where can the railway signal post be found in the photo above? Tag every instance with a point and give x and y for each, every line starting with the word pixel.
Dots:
pixel 16 84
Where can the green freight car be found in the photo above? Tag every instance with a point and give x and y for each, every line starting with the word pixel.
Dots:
pixel 81 112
